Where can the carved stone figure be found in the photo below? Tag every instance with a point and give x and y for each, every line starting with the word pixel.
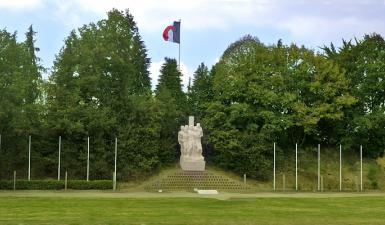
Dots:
pixel 189 138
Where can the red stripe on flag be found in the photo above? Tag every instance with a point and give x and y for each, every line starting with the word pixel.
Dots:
pixel 165 32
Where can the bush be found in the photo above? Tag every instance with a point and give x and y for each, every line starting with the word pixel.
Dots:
pixel 373 176
pixel 87 185
pixel 6 185
pixel 56 185
pixel 39 185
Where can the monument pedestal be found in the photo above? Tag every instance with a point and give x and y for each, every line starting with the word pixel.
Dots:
pixel 192 165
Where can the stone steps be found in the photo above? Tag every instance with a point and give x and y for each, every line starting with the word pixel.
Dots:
pixel 192 180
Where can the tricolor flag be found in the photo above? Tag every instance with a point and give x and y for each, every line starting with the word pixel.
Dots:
pixel 172 32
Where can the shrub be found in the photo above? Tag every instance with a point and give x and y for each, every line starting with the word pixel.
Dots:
pixel 39 185
pixel 87 185
pixel 373 175
pixel 56 185
pixel 6 185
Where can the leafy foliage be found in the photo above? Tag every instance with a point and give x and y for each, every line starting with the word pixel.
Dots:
pixel 171 106
pixel 200 93
pixel 264 94
pixel 363 62
pixel 257 94
pixel 20 109
pixel 100 87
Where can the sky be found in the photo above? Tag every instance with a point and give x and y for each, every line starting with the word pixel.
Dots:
pixel 208 27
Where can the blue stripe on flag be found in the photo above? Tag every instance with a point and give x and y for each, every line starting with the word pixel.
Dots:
pixel 176 32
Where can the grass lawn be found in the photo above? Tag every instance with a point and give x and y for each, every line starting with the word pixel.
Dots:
pixel 120 209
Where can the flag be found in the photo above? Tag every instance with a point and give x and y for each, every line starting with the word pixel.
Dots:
pixel 172 32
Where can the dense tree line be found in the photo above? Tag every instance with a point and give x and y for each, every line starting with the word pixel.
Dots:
pixel 21 105
pixel 257 94
pixel 261 94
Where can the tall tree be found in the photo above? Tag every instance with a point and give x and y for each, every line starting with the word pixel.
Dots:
pixel 266 93
pixel 320 93
pixel 99 88
pixel 172 105
pixel 363 61
pixel 171 80
pixel 19 92
pixel 241 118
pixel 200 93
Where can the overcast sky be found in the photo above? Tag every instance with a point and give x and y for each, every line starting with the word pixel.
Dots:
pixel 207 28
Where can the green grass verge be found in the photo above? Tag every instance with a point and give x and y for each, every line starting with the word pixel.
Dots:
pixel 94 210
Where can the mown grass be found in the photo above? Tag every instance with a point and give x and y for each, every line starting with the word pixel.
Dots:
pixel 85 210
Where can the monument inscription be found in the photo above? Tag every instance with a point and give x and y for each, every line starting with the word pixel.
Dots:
pixel 189 138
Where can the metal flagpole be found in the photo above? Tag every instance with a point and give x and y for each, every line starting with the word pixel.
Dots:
pixel 29 158
pixel 179 58
pixel 361 165
pixel 179 43
pixel 274 169
pixel 340 168
pixel 58 167
pixel 319 167
pixel 88 158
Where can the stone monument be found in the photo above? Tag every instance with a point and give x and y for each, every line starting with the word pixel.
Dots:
pixel 189 138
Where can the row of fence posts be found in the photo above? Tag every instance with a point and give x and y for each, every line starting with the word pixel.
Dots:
pixel 319 178
pixel 65 180
pixel 284 183
pixel 59 160
pixel 358 187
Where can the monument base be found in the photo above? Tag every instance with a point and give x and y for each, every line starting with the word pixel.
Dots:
pixel 192 165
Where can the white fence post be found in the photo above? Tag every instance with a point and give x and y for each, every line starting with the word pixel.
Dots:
pixel 296 166
pixel 65 181
pixel 29 158
pixel 114 181
pixel 14 180
pixel 274 169
pixel 58 166
pixel 88 158
pixel 116 153
pixel 319 166
pixel 340 168
pixel 361 167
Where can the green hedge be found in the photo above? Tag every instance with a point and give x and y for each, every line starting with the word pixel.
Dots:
pixel 56 185
pixel 87 185
pixel 6 185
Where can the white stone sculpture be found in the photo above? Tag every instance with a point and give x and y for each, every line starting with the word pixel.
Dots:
pixel 189 138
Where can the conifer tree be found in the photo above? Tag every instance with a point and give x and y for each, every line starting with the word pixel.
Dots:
pixel 200 93
pixel 172 105
pixel 19 93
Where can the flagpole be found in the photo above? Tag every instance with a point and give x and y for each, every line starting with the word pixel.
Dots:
pixel 179 43
pixel 179 59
